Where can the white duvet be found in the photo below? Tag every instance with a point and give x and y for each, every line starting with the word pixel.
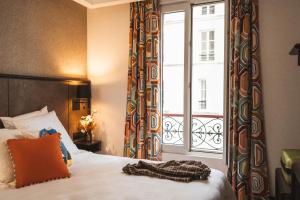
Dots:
pixel 100 177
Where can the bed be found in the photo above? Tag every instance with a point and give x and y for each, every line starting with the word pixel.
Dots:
pixel 93 176
pixel 97 176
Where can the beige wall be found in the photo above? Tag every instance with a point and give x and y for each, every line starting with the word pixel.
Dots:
pixel 108 31
pixel 43 38
pixel 279 31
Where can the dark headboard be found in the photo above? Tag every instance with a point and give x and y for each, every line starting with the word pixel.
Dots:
pixel 23 94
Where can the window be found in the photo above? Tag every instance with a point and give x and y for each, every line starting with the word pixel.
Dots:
pixel 211 10
pixel 207 46
pixel 192 87
pixel 204 10
pixel 173 79
pixel 202 101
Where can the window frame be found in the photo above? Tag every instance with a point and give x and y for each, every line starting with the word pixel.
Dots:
pixel 170 6
pixel 181 7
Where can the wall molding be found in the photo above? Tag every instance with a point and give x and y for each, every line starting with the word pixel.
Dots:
pixel 104 3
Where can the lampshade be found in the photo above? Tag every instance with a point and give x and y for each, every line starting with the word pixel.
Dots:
pixel 83 91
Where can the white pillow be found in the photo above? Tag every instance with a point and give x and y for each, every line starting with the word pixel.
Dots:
pixel 6 166
pixel 8 121
pixel 49 120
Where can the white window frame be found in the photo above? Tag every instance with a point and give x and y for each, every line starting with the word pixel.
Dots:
pixel 169 6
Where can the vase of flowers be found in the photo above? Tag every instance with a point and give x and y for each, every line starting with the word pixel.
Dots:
pixel 86 125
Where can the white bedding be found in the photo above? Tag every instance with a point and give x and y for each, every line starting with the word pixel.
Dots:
pixel 100 177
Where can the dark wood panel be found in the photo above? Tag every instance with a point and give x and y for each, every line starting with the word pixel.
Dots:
pixel 16 76
pixel 28 95
pixel 3 97
pixel 22 94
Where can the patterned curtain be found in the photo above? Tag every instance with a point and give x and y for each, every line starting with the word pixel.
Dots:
pixel 142 129
pixel 248 169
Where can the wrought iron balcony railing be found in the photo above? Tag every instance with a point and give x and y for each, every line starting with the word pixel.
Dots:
pixel 207 131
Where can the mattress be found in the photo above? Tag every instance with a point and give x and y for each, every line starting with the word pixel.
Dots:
pixel 97 176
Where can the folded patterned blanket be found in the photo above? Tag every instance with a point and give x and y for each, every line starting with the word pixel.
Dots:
pixel 183 171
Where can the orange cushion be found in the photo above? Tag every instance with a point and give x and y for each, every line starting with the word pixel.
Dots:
pixel 37 160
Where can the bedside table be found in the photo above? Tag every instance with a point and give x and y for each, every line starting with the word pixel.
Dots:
pixel 296 180
pixel 282 189
pixel 93 146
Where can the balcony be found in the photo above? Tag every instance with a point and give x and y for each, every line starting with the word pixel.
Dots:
pixel 207 132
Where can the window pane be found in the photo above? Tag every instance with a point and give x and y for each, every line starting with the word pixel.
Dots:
pixel 173 77
pixel 211 45
pixel 203 36
pixel 207 79
pixel 203 57
pixel 204 10
pixel 204 46
pixel 211 56
pixel 212 9
pixel 211 35
pixel 202 94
